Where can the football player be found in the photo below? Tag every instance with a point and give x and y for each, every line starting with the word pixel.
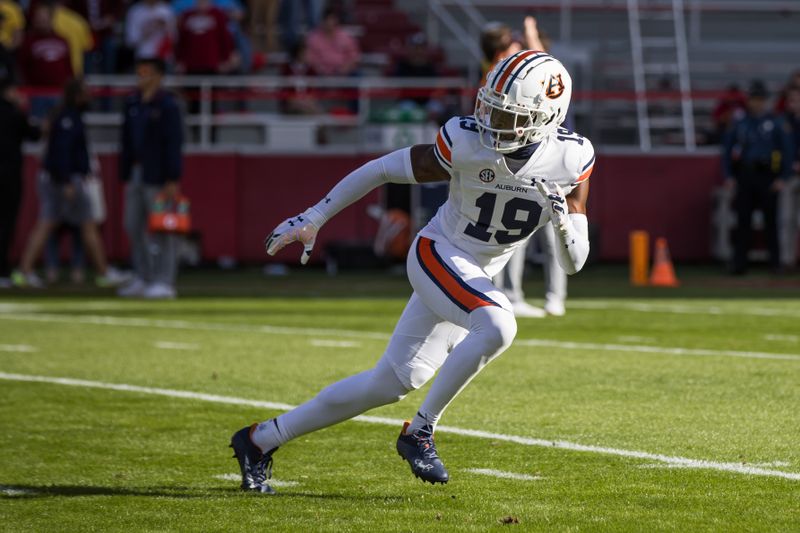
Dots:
pixel 457 320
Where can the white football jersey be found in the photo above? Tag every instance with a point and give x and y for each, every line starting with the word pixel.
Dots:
pixel 490 211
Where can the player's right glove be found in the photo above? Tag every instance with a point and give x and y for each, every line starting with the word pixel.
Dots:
pixel 299 228
pixel 556 206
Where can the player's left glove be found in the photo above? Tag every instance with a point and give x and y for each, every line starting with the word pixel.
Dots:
pixel 556 206
pixel 299 228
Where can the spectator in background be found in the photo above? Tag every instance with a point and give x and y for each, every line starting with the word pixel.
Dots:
pixel 730 108
pixel 44 60
pixel 74 29
pixel 331 50
pixel 756 163
pixel 298 99
pixel 235 14
pixel 789 198
pixel 12 24
pixel 150 29
pixel 16 128
pixel 7 65
pixel 416 61
pixel 793 83
pixel 292 23
pixel 205 46
pixel 150 165
pixel 263 30
pixel 102 16
pixel 62 197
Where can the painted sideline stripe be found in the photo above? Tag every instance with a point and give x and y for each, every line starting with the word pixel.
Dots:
pixel 16 348
pixel 737 468
pixel 169 345
pixel 13 491
pixel 328 343
pixel 502 474
pixel 288 330
pixel 592 304
pixel 788 338
pixel 99 320
pixel 684 309
pixel 656 349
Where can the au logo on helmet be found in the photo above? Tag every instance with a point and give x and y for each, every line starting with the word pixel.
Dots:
pixel 555 87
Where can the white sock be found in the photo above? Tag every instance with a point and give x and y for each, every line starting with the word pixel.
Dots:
pixel 491 331
pixel 337 402
pixel 421 420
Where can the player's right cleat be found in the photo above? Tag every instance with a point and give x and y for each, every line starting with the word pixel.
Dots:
pixel 256 466
pixel 419 450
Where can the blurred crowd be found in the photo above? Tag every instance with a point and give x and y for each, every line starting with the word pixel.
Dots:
pixel 72 37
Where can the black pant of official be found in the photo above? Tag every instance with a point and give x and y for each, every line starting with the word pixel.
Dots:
pixel 754 190
pixel 10 199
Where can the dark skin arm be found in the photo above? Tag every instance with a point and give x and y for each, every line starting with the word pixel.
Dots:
pixel 425 165
pixel 428 170
pixel 576 200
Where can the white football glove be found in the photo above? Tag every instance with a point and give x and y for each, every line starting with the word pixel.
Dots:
pixel 556 206
pixel 299 228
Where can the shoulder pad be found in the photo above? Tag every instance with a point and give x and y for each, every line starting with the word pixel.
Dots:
pixel 585 161
pixel 579 158
pixel 452 137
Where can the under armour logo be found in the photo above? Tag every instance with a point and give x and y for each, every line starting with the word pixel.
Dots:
pixel 327 200
pixel 422 466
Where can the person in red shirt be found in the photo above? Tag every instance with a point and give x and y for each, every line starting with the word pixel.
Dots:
pixel 205 46
pixel 331 50
pixel 44 58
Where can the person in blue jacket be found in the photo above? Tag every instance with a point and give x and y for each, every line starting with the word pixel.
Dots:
pixel 151 163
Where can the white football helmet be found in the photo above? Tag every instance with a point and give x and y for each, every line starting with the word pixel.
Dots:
pixel 525 98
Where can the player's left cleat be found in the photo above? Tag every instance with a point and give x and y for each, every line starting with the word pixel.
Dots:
pixel 419 450
pixel 255 465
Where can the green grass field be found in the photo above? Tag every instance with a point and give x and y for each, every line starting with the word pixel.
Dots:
pixel 641 410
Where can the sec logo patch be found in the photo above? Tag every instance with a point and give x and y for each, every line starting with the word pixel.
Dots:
pixel 486 175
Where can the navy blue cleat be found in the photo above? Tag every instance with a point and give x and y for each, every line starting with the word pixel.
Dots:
pixel 255 465
pixel 419 450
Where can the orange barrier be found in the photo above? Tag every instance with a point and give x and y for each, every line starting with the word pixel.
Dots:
pixel 639 258
pixel 663 274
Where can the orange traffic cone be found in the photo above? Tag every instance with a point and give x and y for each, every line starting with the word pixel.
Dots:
pixel 663 273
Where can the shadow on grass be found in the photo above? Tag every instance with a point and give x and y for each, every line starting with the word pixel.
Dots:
pixel 24 492
pixel 14 492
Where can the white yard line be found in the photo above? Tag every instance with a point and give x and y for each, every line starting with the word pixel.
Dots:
pixel 169 345
pixel 782 338
pixel 99 320
pixel 635 338
pixel 736 468
pixel 287 330
pixel 16 348
pixel 663 350
pixel 273 482
pixel 12 491
pixel 593 304
pixel 771 464
pixel 683 309
pixel 328 343
pixel 501 474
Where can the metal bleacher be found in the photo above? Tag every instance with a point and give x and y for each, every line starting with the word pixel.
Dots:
pixel 727 41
